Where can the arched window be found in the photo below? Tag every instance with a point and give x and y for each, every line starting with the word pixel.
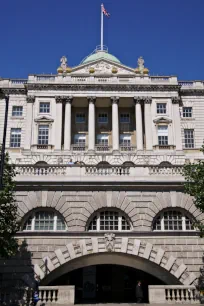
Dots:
pixel 44 220
pixel 173 220
pixel 109 220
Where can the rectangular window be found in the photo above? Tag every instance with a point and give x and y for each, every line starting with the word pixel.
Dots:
pixel 80 139
pixel 125 140
pixel 102 139
pixel 189 138
pixel 44 107
pixel 17 111
pixel 161 108
pixel 163 135
pixel 187 112
pixel 15 138
pixel 43 134
pixel 80 118
pixel 124 118
pixel 103 118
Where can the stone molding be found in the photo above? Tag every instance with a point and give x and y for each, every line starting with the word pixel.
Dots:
pixel 14 91
pixel 143 249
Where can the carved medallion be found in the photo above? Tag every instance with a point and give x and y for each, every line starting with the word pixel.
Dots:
pixel 110 242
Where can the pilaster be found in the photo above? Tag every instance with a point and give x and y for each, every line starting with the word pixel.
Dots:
pixel 29 123
pixel 177 122
pixel 58 123
pixel 148 122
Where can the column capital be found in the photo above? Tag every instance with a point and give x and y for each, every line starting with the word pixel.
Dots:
pixel 147 100
pixel 176 100
pixel 91 99
pixel 61 99
pixel 115 100
pixel 138 100
pixel 30 99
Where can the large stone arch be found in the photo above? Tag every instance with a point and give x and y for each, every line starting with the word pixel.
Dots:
pixel 77 206
pixel 126 251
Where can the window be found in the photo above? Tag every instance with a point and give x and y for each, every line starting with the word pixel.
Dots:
pixel 109 220
pixel 80 118
pixel 102 139
pixel 103 118
pixel 44 221
pixel 44 107
pixel 80 139
pixel 163 135
pixel 125 140
pixel 124 118
pixel 43 134
pixel 173 220
pixel 17 111
pixel 15 138
pixel 187 112
pixel 189 138
pixel 161 108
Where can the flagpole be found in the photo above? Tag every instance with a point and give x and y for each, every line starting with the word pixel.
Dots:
pixel 101 27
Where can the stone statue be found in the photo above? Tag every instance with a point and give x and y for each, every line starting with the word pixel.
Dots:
pixel 110 242
pixel 63 61
pixel 140 63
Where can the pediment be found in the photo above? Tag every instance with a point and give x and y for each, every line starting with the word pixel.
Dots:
pixel 103 67
pixel 44 118
pixel 162 120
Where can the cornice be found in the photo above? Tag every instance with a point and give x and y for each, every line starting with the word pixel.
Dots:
pixel 14 91
pixel 192 92
pixel 101 87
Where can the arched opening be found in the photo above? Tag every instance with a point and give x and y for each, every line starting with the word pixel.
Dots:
pixel 109 277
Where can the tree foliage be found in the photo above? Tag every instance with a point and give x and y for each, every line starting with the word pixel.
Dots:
pixel 194 185
pixel 8 212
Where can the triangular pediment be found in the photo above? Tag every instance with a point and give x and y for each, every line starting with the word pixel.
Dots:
pixel 102 67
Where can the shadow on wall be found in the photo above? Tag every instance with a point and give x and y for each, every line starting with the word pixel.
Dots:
pixel 17 278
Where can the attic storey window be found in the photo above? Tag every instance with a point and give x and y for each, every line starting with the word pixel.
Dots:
pixel 161 108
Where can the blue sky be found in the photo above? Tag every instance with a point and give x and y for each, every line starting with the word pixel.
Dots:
pixel 167 33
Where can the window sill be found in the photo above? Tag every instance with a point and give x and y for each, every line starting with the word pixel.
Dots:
pixel 187 118
pixel 17 117
pixel 164 147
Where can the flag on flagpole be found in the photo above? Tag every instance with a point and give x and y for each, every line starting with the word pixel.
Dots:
pixel 104 11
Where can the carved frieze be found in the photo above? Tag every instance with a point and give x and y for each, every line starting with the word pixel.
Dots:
pixel 63 99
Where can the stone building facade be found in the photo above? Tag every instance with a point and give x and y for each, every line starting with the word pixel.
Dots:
pixel 99 150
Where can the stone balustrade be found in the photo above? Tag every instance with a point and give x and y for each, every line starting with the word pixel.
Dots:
pixel 47 294
pixel 106 170
pixel 173 294
pixel 171 170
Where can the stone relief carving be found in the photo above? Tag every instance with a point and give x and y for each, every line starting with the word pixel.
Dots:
pixel 103 68
pixel 110 242
pixel 63 61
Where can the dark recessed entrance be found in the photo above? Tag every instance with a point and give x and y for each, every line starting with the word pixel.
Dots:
pixel 107 283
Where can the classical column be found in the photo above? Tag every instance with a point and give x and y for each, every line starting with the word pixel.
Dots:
pixel 29 123
pixel 115 124
pixel 148 122
pixel 138 117
pixel 177 122
pixel 58 123
pixel 91 127
pixel 67 124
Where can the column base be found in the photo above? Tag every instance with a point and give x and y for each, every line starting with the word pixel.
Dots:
pixel 115 152
pixel 91 152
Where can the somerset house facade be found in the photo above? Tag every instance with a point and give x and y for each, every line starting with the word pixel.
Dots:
pixel 99 150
